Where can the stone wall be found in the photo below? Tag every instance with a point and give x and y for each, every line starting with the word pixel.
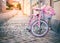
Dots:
pixel 55 25
pixel 0 6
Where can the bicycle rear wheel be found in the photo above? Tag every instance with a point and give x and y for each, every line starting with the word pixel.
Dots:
pixel 43 30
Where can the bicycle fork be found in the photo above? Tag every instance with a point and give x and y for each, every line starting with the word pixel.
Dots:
pixel 39 21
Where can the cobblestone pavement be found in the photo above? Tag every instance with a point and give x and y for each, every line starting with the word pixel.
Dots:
pixel 14 31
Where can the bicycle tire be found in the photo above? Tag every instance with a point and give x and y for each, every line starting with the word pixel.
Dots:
pixel 39 35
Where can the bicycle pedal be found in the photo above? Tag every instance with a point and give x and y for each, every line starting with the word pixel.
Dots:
pixel 49 28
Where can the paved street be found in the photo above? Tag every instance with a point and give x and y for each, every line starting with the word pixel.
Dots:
pixel 14 31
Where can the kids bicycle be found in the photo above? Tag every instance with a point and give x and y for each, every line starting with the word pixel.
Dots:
pixel 37 25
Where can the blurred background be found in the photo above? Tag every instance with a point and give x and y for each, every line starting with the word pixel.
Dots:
pixel 18 12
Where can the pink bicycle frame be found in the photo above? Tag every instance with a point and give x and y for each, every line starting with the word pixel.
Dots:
pixel 34 17
pixel 44 10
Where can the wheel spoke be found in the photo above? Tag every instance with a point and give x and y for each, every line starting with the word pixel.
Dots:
pixel 39 31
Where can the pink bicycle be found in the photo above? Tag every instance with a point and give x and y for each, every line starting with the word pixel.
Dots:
pixel 38 26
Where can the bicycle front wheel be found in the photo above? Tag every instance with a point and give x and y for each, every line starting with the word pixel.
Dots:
pixel 43 30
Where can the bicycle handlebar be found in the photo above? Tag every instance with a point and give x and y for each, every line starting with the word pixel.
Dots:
pixel 37 9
